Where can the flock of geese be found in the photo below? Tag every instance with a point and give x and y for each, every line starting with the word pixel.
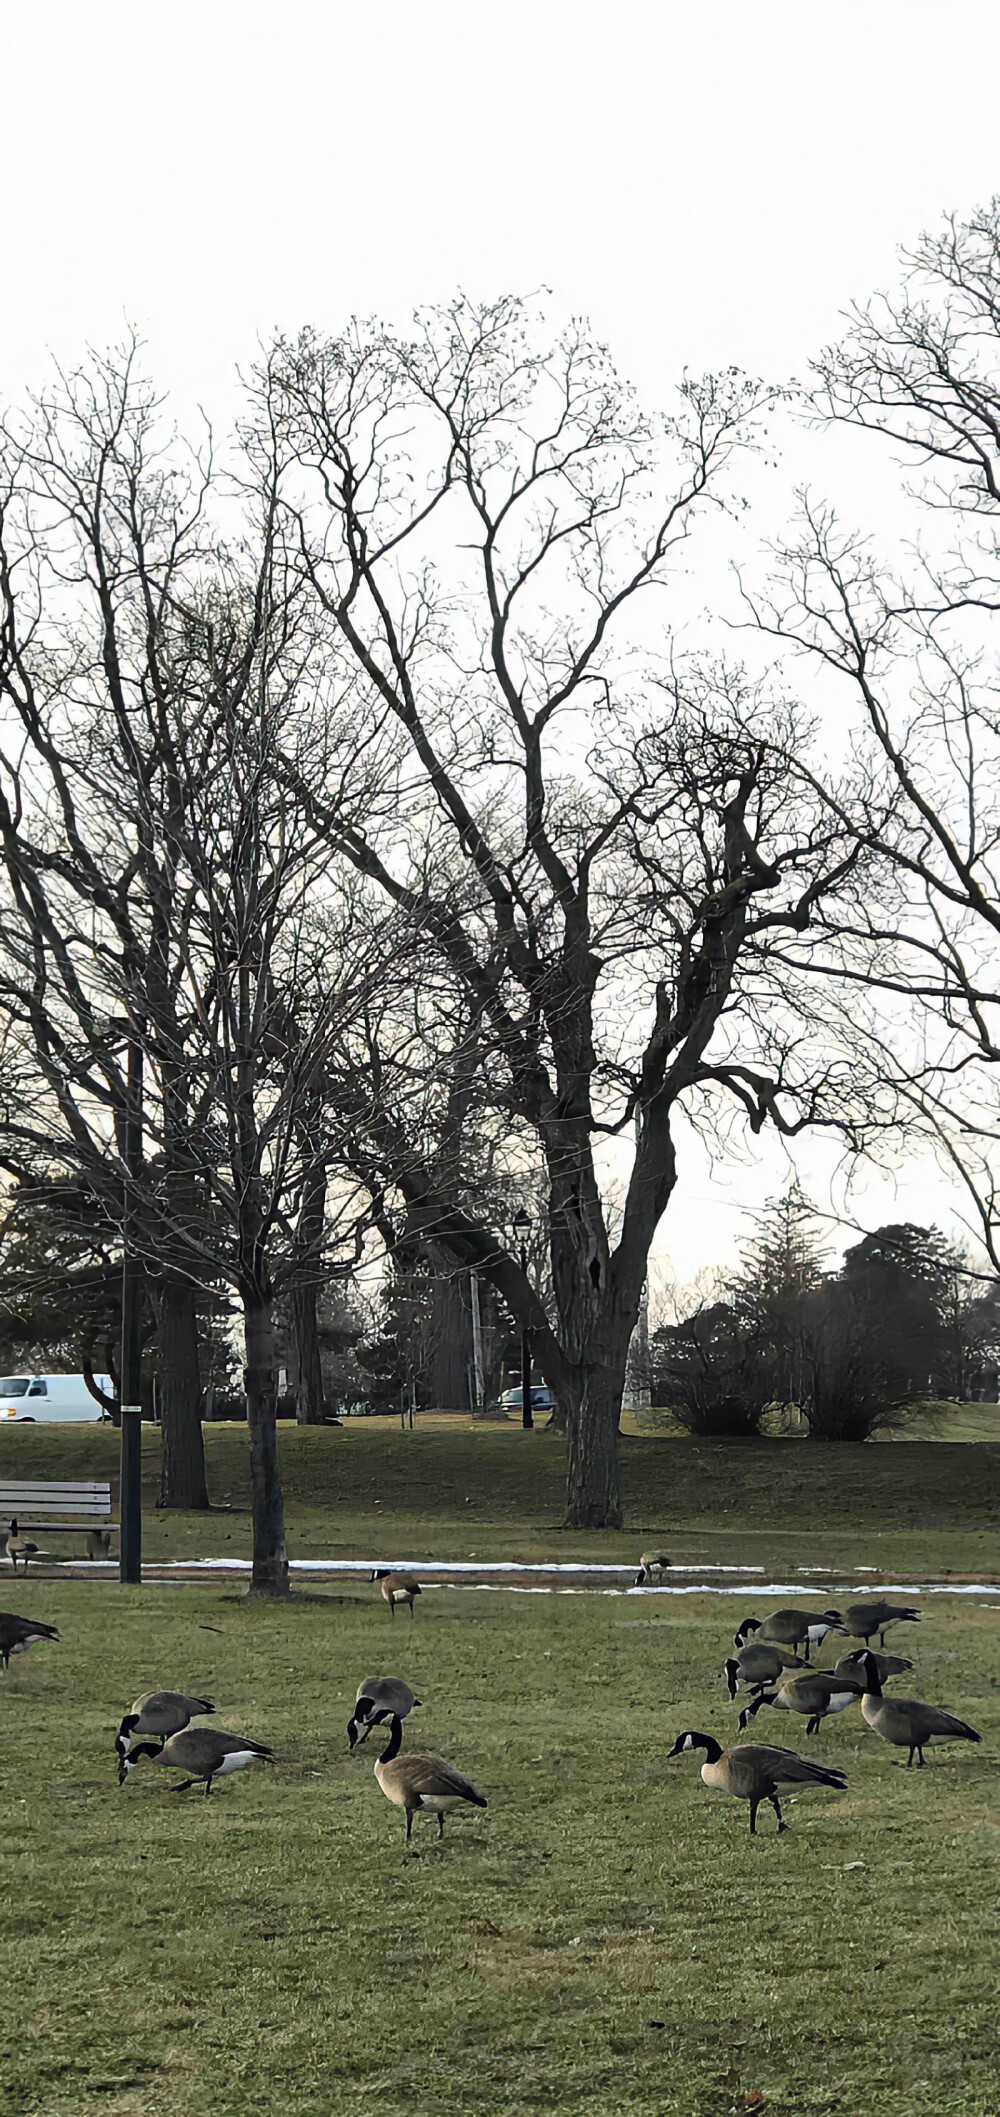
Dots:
pixel 766 1668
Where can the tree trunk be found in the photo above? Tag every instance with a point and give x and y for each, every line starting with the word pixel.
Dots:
pixel 452 1351
pixel 310 1398
pixel 182 1474
pixel 593 1499
pixel 270 1560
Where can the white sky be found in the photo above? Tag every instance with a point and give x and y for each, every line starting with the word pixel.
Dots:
pixel 709 182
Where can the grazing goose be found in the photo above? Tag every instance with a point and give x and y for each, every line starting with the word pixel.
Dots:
pixel 758 1664
pixel 18 1547
pixel 909 1722
pixel 651 1562
pixel 17 1634
pixel 863 1619
pixel 98 1543
pixel 753 1773
pixel 422 1785
pixel 816 1694
pixel 791 1628
pixel 203 1752
pixel 397 1587
pixel 160 1713
pixel 378 1697
pixel 887 1665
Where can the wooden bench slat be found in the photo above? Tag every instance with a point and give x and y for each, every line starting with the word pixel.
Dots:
pixel 54 1499
pixel 62 1528
pixel 58 1499
pixel 54 1485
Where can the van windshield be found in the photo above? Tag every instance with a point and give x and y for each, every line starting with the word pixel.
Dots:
pixel 13 1386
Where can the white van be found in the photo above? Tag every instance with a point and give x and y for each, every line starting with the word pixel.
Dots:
pixel 51 1398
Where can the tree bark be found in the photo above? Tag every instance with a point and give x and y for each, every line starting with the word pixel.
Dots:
pixel 593 1497
pixel 269 1575
pixel 310 1397
pixel 182 1474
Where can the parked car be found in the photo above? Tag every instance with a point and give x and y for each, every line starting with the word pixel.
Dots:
pixel 542 1398
pixel 51 1399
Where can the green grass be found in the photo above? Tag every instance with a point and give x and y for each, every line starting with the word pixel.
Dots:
pixel 606 1939
pixel 448 1492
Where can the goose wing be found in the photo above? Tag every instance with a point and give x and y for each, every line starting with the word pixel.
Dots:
pixel 938 1723
pixel 16 1628
pixel 434 1775
pixel 199 1748
pixel 785 1767
pixel 389 1692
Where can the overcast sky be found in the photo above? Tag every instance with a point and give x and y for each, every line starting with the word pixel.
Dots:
pixel 710 180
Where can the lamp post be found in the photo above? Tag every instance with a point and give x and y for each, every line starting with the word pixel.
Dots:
pixel 130 1484
pixel 522 1228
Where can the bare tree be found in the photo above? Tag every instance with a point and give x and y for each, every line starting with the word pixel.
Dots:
pixel 165 896
pixel 913 645
pixel 596 862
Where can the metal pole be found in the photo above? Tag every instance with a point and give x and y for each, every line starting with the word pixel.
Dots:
pixel 130 1563
pixel 526 1419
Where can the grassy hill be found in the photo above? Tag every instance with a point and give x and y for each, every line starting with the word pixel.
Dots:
pixel 448 1490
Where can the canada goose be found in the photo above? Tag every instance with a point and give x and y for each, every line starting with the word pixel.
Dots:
pixel 791 1628
pixel 397 1587
pixel 887 1665
pixel 378 1696
pixel 816 1694
pixel 651 1562
pixel 753 1773
pixel 98 1543
pixel 863 1619
pixel 203 1752
pixel 422 1784
pixel 909 1722
pixel 18 1547
pixel 160 1713
pixel 17 1634
pixel 757 1665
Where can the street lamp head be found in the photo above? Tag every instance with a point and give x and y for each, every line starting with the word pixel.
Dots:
pixel 521 1222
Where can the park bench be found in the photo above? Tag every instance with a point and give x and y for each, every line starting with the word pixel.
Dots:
pixel 54 1507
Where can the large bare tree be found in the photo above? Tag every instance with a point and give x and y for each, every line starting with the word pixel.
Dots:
pixel 596 852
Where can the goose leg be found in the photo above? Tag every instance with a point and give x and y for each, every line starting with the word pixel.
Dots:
pixel 812 1725
pixel 440 1824
pixel 776 1805
pixel 409 1825
pixel 920 1758
pixel 754 1805
pixel 208 1784
pixel 182 1789
pixel 411 1609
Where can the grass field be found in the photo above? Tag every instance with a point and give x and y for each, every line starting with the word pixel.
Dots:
pixel 606 1938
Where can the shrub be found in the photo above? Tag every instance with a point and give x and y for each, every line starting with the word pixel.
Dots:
pixel 716 1380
